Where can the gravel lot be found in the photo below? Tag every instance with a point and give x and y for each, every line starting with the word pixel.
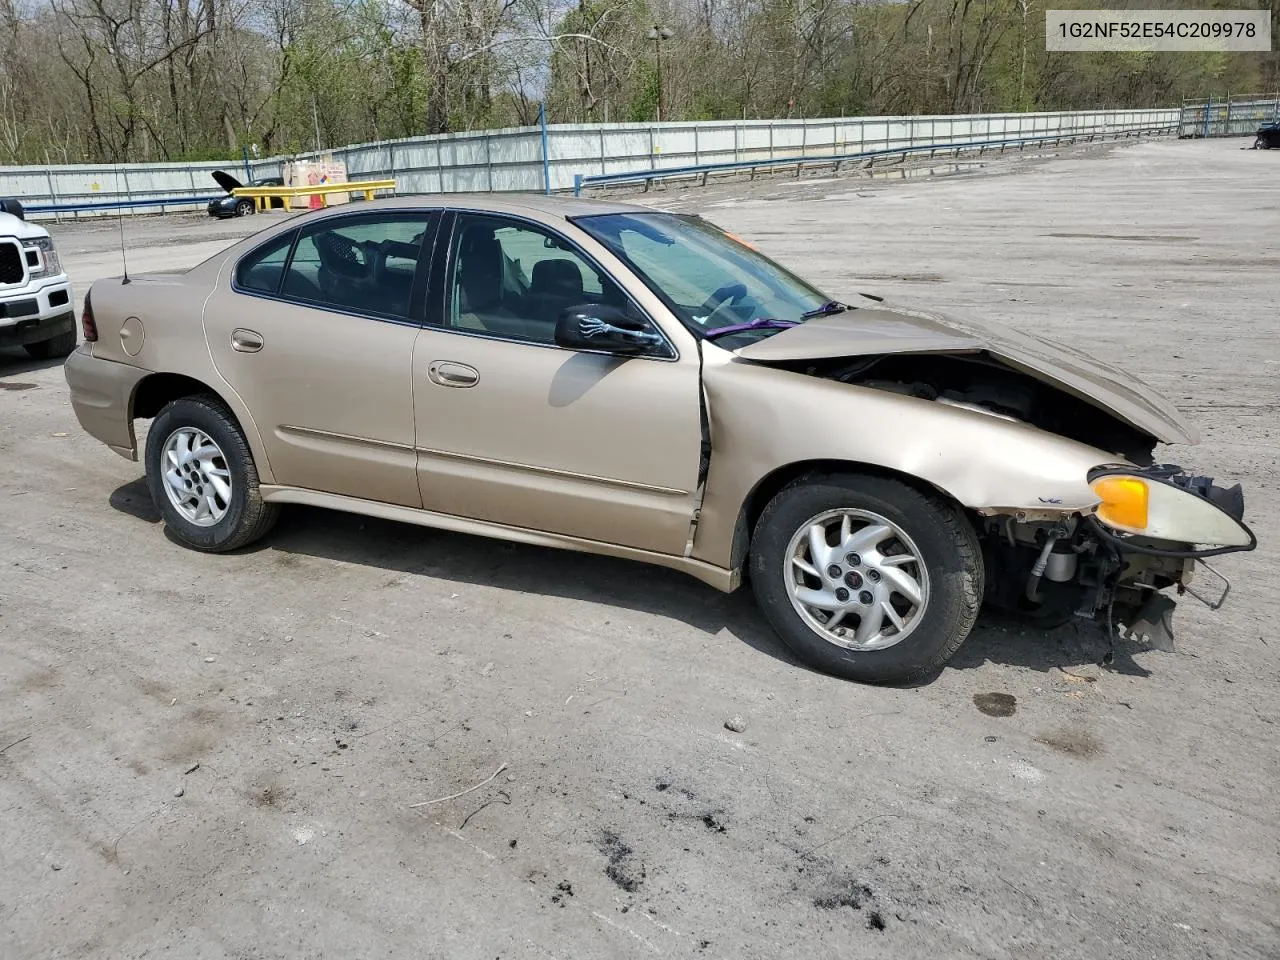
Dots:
pixel 346 668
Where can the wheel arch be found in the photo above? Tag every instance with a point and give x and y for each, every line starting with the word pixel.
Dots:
pixel 768 486
pixel 156 390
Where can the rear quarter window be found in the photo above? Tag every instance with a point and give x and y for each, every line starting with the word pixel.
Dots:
pixel 262 269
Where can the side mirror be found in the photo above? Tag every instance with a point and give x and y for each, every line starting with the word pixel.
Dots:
pixel 606 329
pixel 12 207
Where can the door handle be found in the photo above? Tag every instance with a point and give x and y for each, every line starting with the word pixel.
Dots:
pixel 246 341
pixel 449 374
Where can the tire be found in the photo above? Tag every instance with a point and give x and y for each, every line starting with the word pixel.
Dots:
pixel 229 521
pixel 942 559
pixel 60 346
pixel 244 208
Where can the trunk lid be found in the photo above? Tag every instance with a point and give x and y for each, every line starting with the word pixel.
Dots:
pixel 867 331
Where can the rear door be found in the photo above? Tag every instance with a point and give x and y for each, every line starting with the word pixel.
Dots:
pixel 315 331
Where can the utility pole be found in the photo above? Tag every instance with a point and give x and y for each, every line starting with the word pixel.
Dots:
pixel 657 34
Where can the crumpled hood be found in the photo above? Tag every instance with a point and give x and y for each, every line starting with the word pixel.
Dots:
pixel 867 331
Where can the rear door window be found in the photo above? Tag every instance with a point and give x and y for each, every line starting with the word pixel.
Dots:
pixel 363 264
pixel 374 264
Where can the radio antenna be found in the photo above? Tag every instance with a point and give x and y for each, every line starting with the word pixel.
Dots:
pixel 124 261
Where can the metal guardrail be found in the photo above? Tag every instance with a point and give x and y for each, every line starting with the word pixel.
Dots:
pixel 648 176
pixel 260 195
pixel 521 159
pixel 117 204
pixel 1232 115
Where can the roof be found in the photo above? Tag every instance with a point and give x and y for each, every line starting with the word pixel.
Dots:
pixel 553 205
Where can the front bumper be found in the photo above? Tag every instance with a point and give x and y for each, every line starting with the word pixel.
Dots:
pixel 102 398
pixel 36 311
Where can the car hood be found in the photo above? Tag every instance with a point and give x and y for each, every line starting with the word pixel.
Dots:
pixel 11 226
pixel 226 181
pixel 867 331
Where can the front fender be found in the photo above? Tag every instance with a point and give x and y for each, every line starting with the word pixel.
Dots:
pixel 763 419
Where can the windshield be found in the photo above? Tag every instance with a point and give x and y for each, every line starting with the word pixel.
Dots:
pixel 720 287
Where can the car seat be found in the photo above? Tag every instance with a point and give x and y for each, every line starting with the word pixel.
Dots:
pixel 555 285
pixel 343 269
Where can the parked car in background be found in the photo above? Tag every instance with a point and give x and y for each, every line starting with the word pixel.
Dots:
pixel 623 381
pixel 1268 136
pixel 233 206
pixel 36 309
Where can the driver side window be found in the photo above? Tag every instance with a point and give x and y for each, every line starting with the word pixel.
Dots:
pixel 362 264
pixel 511 279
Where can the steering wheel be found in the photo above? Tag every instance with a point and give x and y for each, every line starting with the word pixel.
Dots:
pixel 724 298
pixel 729 294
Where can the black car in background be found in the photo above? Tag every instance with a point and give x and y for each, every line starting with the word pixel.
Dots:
pixel 1268 136
pixel 231 206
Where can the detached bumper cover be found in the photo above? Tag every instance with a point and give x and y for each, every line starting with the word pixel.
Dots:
pixel 102 398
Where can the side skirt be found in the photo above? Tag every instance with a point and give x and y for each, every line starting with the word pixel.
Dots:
pixel 718 577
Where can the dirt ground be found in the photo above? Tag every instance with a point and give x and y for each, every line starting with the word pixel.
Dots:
pixel 216 756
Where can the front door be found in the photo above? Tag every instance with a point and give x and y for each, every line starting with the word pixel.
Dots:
pixel 515 430
pixel 316 334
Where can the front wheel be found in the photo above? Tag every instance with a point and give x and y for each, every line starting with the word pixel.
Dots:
pixel 865 577
pixel 244 208
pixel 202 477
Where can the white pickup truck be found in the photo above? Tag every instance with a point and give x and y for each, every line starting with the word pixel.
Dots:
pixel 36 307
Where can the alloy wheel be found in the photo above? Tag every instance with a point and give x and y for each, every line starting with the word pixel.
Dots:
pixel 197 477
pixel 856 579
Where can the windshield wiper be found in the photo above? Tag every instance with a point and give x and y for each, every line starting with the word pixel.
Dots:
pixel 761 323
pixel 831 306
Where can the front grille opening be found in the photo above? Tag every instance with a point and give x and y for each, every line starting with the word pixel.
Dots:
pixel 11 269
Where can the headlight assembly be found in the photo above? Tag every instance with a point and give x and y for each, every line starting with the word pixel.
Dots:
pixel 1162 508
pixel 48 263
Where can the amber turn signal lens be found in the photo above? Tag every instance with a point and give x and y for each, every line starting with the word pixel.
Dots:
pixel 1124 502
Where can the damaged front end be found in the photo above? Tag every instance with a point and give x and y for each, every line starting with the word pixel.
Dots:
pixel 1153 529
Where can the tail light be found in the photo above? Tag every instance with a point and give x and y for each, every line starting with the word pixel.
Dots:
pixel 87 325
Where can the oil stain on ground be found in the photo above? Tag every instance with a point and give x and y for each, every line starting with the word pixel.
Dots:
pixel 854 896
pixel 1074 743
pixel 11 385
pixel 622 868
pixel 996 704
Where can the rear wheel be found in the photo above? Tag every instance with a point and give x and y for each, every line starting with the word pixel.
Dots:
pixel 60 346
pixel 866 577
pixel 202 476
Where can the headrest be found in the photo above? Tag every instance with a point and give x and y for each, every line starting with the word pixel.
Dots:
pixel 556 276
